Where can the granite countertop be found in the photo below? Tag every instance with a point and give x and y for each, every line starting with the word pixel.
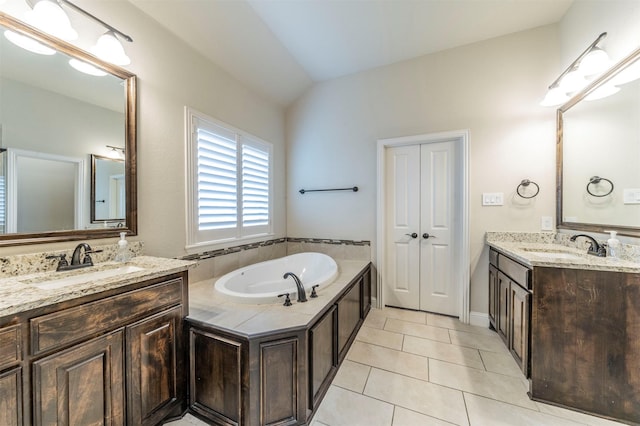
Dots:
pixel 209 307
pixel 532 254
pixel 19 294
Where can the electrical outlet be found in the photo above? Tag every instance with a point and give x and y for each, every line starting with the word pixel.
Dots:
pixel 492 198
pixel 546 223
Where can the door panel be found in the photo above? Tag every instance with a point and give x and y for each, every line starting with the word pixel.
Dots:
pixel 403 217
pixel 438 290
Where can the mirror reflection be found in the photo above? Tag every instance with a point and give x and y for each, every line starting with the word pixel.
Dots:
pixel 599 146
pixel 108 199
pixel 52 115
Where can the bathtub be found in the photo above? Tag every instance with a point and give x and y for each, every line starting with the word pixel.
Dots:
pixel 263 282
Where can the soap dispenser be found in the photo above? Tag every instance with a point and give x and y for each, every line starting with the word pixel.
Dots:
pixel 613 245
pixel 123 254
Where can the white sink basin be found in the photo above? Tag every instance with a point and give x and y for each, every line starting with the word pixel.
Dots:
pixel 52 284
pixel 555 255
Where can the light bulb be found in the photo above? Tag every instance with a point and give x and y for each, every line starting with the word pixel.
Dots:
pixel 555 96
pixel 50 18
pixel 596 62
pixel 28 43
pixel 109 48
pixel 86 68
pixel 602 92
pixel 574 81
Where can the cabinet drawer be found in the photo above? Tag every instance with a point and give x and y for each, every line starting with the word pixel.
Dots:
pixel 10 352
pixel 515 271
pixel 493 257
pixel 75 324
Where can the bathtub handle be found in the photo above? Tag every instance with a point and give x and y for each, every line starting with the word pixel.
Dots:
pixel 287 300
pixel 313 290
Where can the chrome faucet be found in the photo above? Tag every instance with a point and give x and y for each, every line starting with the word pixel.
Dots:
pixel 595 248
pixel 302 295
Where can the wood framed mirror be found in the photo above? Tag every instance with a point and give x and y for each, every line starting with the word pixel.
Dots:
pixel 51 109
pixel 598 145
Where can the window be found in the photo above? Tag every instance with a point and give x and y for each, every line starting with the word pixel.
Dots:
pixel 229 183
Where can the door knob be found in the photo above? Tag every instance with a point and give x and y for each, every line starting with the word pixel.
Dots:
pixel 426 236
pixel 413 235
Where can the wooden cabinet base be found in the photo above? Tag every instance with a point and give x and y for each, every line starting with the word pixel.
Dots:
pixel 586 341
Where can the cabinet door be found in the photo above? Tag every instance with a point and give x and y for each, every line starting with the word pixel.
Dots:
pixel 11 397
pixel 154 354
pixel 520 305
pixel 348 317
pixel 82 385
pixel 323 356
pixel 493 295
pixel 219 378
pixel 366 293
pixel 502 308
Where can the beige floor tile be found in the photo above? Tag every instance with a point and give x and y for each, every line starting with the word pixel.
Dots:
pixel 417 395
pixel 490 342
pixel 352 376
pixel 484 383
pixel 419 330
pixel 187 420
pixel 343 407
pixel 380 337
pixel 575 416
pixel 502 363
pixel 404 417
pixel 405 315
pixel 455 324
pixel 390 360
pixel 375 319
pixel 443 351
pixel 488 412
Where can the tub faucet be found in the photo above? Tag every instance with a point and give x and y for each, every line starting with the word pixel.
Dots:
pixel 594 248
pixel 302 295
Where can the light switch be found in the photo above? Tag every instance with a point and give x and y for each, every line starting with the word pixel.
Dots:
pixel 492 198
pixel 631 195
pixel 546 223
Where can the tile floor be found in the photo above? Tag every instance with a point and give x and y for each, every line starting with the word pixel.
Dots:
pixel 411 368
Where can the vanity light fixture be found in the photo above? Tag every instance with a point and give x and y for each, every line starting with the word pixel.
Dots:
pixel 48 16
pixel 592 62
pixel 86 68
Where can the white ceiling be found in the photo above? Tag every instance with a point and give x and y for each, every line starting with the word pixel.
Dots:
pixel 281 47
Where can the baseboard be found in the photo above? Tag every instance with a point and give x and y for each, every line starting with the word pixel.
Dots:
pixel 374 302
pixel 479 319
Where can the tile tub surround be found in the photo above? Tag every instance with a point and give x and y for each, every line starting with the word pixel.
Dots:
pixel 23 264
pixel 16 296
pixel 209 307
pixel 520 245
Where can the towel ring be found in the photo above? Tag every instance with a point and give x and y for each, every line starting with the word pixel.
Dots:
pixel 525 183
pixel 595 180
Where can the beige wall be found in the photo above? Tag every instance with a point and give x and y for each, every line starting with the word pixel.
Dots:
pixel 170 76
pixel 491 88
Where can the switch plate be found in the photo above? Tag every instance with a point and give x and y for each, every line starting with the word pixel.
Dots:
pixel 546 223
pixel 631 195
pixel 492 198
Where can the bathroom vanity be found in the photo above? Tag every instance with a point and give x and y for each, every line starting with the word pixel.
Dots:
pixel 106 351
pixel 572 323
pixel 272 364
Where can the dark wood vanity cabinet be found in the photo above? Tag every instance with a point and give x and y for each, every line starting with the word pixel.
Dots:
pixel 510 305
pixel 586 341
pixel 110 358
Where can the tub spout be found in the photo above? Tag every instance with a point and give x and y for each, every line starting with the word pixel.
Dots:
pixel 302 295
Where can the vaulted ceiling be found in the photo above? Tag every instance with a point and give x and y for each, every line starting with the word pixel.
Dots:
pixel 281 47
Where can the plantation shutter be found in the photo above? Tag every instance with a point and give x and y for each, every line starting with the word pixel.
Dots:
pixel 255 185
pixel 3 204
pixel 217 179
